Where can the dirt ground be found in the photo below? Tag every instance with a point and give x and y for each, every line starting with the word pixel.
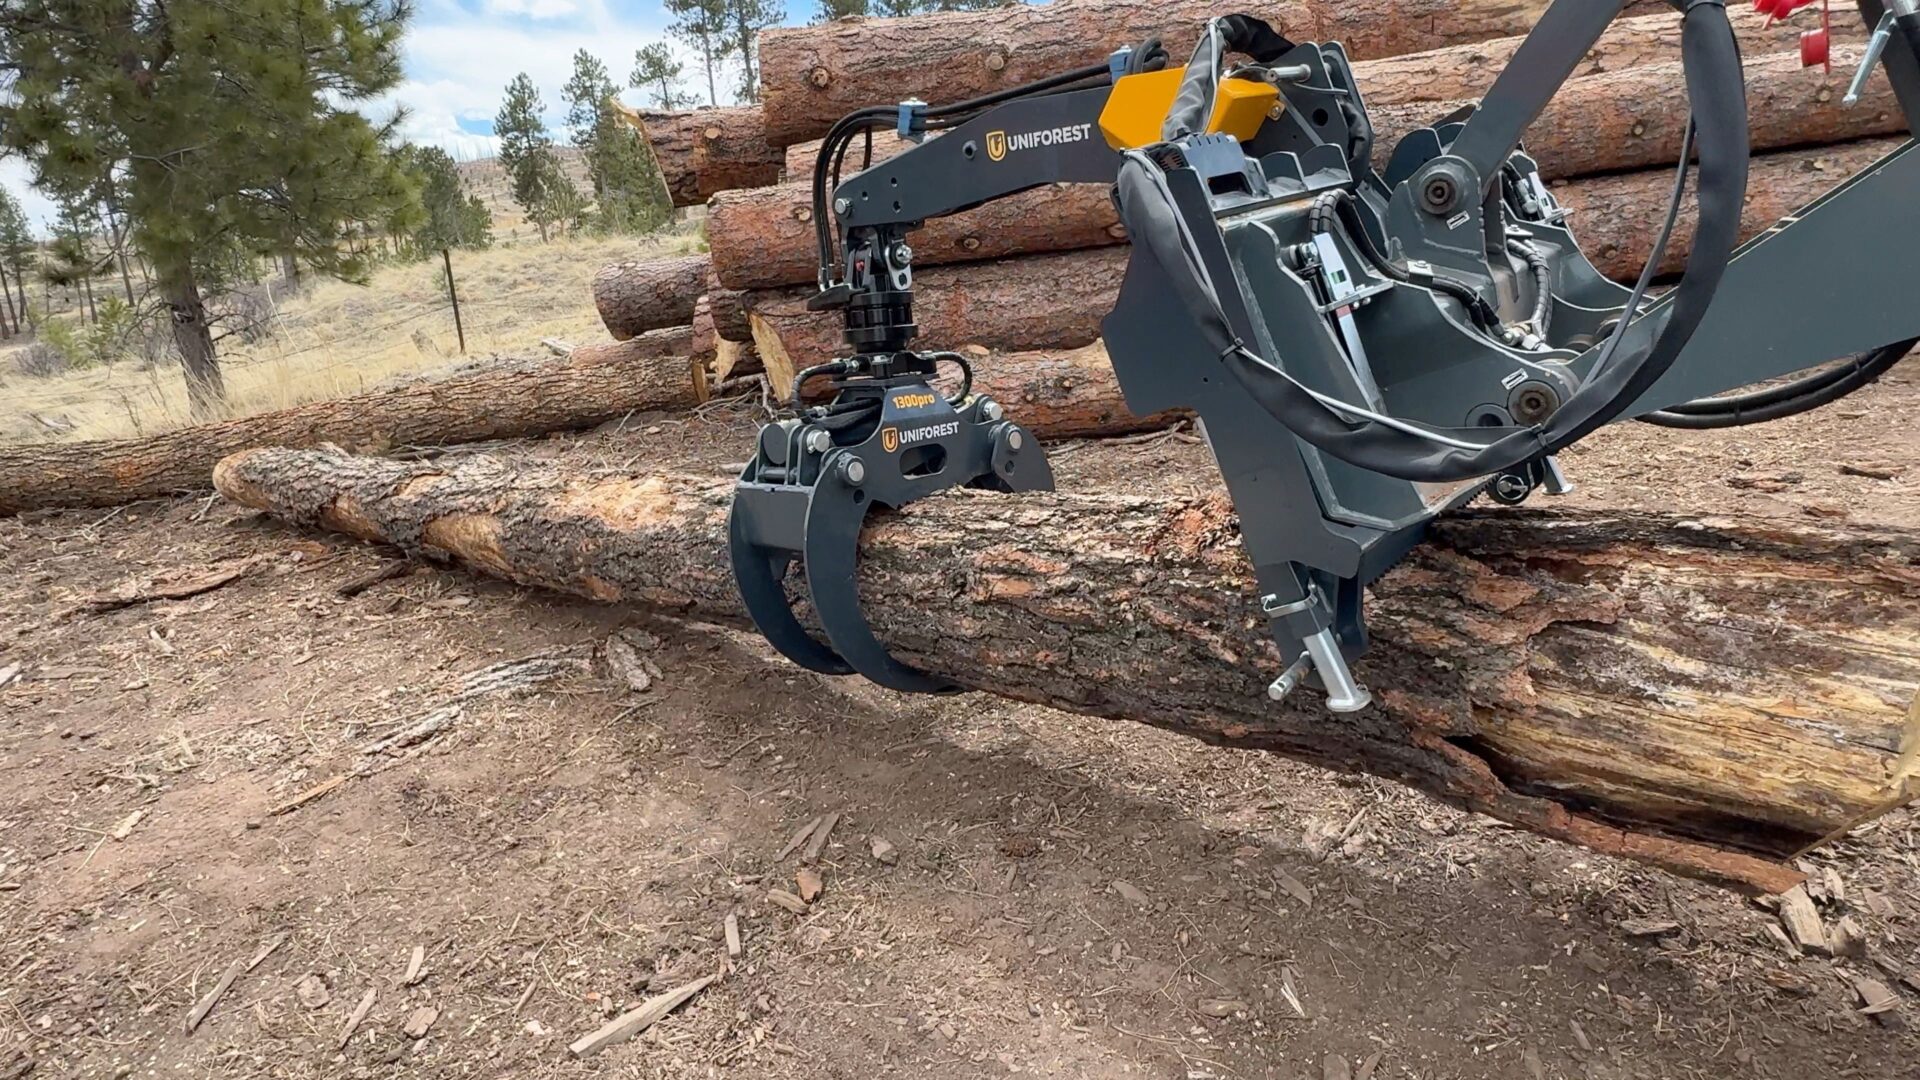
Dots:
pixel 1063 896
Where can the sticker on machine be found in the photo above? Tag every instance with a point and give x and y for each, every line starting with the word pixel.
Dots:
pixel 892 438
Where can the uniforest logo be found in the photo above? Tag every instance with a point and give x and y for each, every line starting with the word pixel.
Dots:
pixel 1000 144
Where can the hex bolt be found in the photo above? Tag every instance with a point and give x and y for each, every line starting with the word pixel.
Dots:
pixel 818 441
pixel 902 255
pixel 853 470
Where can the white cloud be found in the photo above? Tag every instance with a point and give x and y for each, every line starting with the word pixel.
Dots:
pixel 40 210
pixel 533 9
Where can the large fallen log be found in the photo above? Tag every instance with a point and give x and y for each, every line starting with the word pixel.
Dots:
pixel 1615 217
pixel 1628 121
pixel 1446 78
pixel 1039 302
pixel 648 294
pixel 702 151
pixel 514 400
pixel 1711 696
pixel 811 76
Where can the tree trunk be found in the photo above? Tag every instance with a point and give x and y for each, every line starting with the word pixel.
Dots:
pixel 673 341
pixel 1035 302
pixel 730 150
pixel 86 293
pixel 1635 119
pixel 206 388
pixel 517 400
pixel 647 294
pixel 1616 217
pixel 669 136
pixel 1552 670
pixel 811 76
pixel 764 237
pixel 11 321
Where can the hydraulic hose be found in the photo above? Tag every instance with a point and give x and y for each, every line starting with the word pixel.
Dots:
pixel 1392 447
pixel 1802 395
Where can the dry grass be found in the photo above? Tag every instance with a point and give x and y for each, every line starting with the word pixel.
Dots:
pixel 337 339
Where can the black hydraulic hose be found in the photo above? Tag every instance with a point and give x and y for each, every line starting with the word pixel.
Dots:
pixel 1341 202
pixel 1791 399
pixel 1542 284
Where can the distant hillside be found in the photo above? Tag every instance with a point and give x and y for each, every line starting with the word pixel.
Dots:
pixel 488 179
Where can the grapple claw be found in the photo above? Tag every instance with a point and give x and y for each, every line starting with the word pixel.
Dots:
pixel 806 494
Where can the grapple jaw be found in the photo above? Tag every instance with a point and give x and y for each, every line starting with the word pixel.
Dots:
pixel 807 491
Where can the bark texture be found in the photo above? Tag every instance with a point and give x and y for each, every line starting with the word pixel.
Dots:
pixel 1037 302
pixel 1635 119
pixel 764 237
pixel 674 341
pixel 1616 217
pixel 729 309
pixel 649 294
pixel 516 400
pixel 702 151
pixel 812 76
pixel 1711 696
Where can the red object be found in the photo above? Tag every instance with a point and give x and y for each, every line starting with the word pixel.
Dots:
pixel 1781 9
pixel 1816 48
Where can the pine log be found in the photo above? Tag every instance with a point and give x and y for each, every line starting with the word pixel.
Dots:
pixel 649 294
pixel 519 399
pixel 811 76
pixel 1635 119
pixel 1462 73
pixel 670 138
pixel 1038 302
pixel 729 310
pixel 1707 695
pixel 764 237
pixel 702 151
pixel 1628 121
pixel 1616 217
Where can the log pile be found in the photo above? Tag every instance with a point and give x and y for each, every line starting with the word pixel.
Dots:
pixel 1040 269
pixel 1589 677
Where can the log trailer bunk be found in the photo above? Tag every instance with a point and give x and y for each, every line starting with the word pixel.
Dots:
pixel 1364 350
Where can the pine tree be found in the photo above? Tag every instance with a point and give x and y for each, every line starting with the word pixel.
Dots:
pixel 18 253
pixel 71 259
pixel 658 73
pixel 702 24
pixel 744 19
pixel 540 186
pixel 229 127
pixel 451 218
pixel 626 187
pixel 829 10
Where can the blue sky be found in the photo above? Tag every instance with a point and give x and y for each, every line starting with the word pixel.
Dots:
pixel 460 55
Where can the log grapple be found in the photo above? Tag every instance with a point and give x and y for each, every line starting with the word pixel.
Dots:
pixel 1365 347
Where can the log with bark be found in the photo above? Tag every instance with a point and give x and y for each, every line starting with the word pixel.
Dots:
pixel 1708 695
pixel 1628 121
pixel 1038 302
pixel 513 399
pixel 649 294
pixel 1616 217
pixel 1453 75
pixel 812 76
pixel 702 151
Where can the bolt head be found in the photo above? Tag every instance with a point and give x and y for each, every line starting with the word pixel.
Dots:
pixel 1015 440
pixel 902 255
pixel 854 470
pixel 841 206
pixel 818 441
pixel 992 410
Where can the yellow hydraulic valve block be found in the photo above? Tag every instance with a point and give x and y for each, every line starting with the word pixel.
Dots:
pixel 1139 104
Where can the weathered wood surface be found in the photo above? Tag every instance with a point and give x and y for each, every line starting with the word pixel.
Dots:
pixel 673 341
pixel 1708 695
pixel 516 399
pixel 648 294
pixel 811 76
pixel 701 151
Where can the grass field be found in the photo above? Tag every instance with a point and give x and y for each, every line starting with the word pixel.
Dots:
pixel 336 339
